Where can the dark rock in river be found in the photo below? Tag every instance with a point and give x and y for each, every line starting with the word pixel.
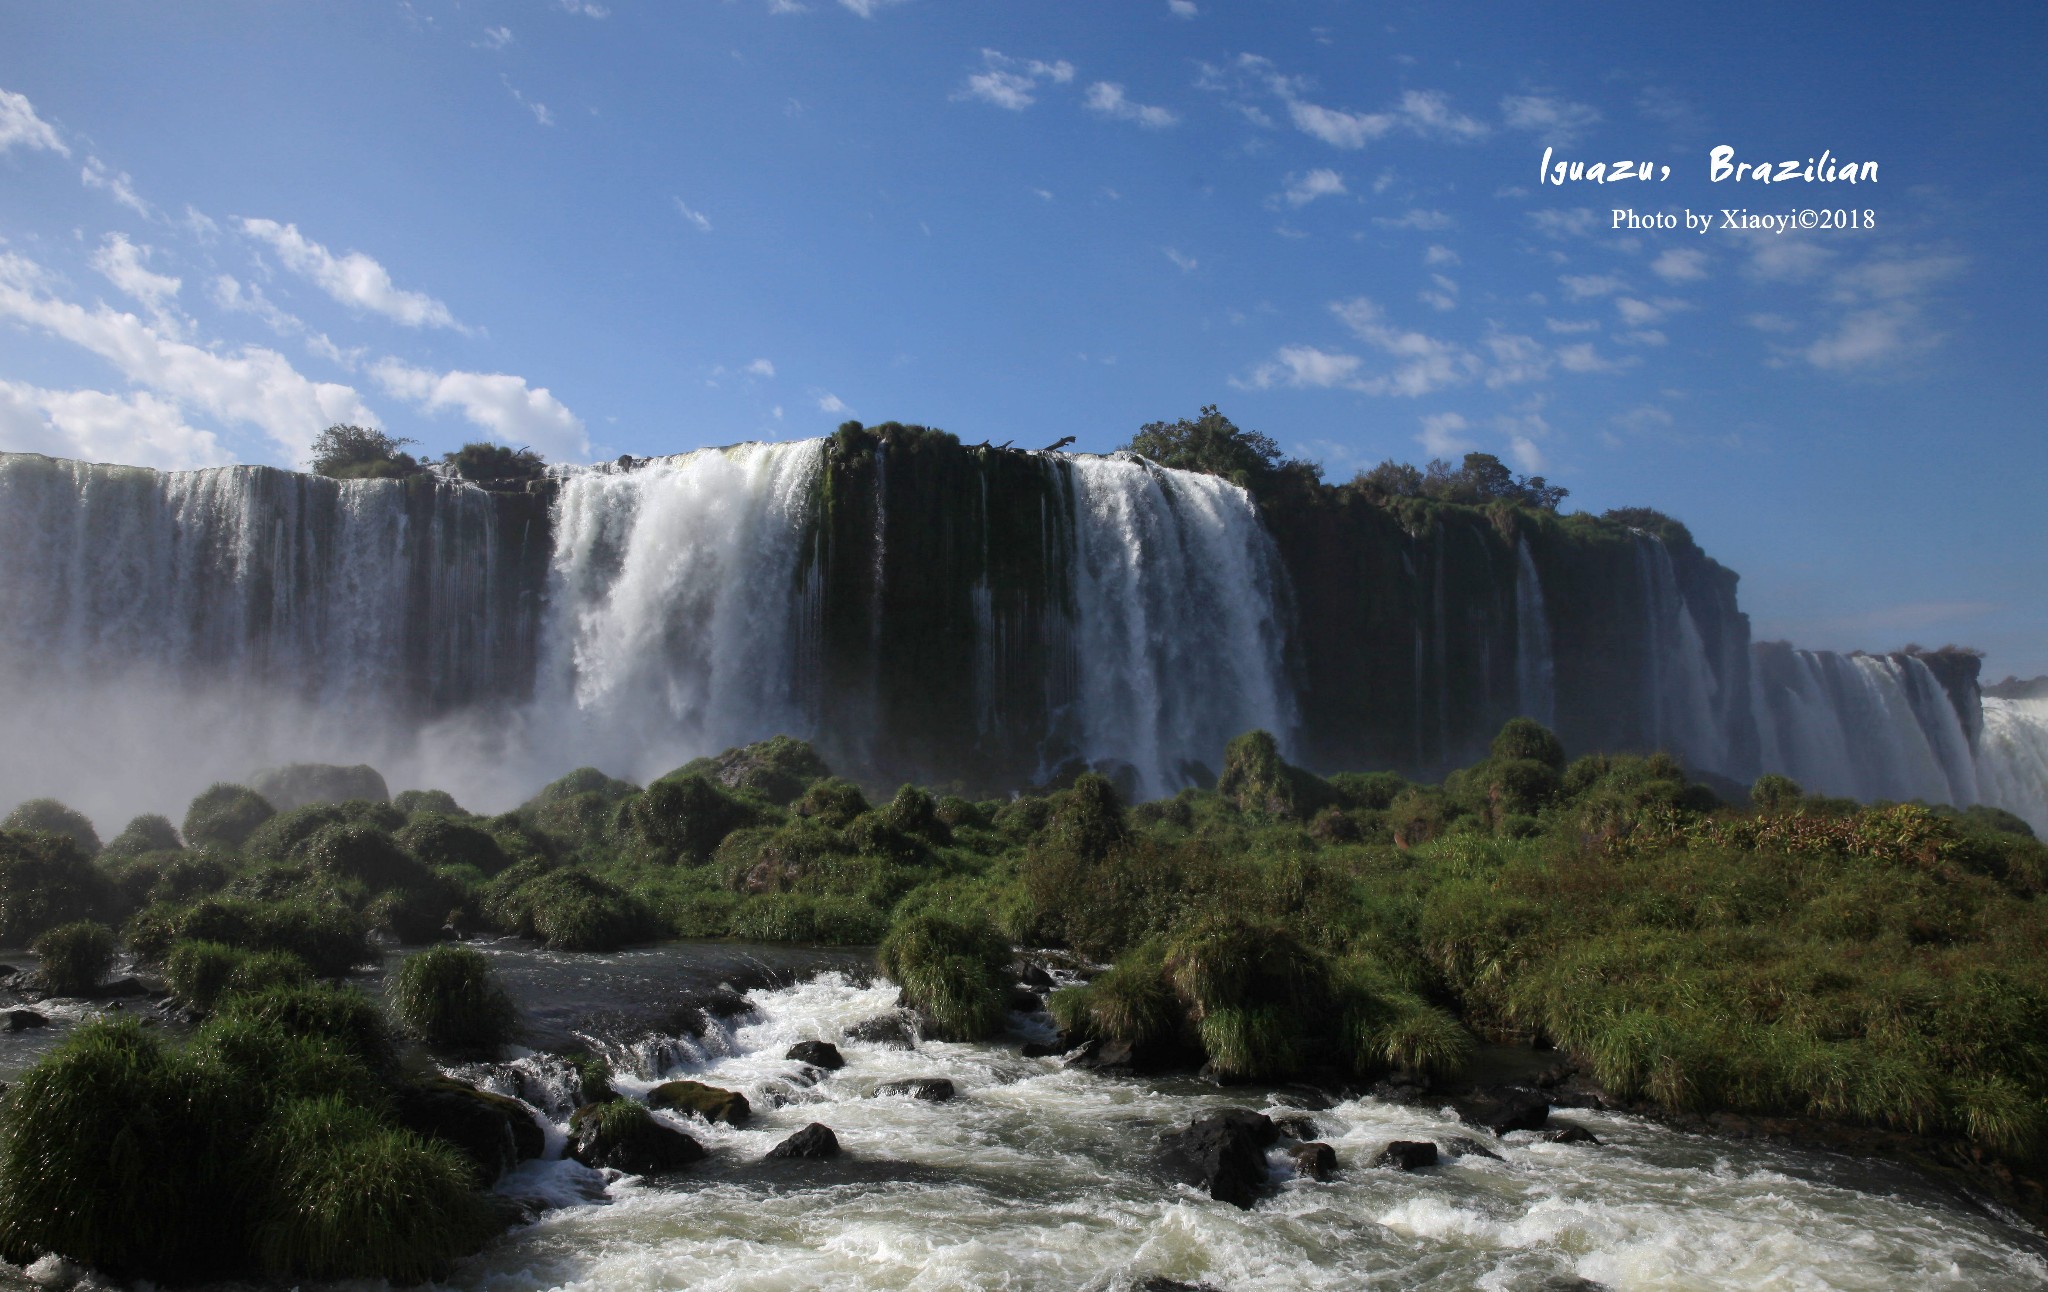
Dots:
pixel 1571 1135
pixel 819 1054
pixel 813 1141
pixel 1317 1161
pixel 626 1137
pixel 1223 1152
pixel 492 1131
pixel 1505 1108
pixel 1157 1284
pixel 932 1089
pixel 1022 1000
pixel 1297 1126
pixel 1406 1155
pixel 892 1030
pixel 709 1102
pixel 1044 1049
pixel 1459 1146
pixel 21 1020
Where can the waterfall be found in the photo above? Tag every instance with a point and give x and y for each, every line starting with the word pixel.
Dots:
pixel 1178 596
pixel 1682 686
pixel 2012 758
pixel 1862 726
pixel 1535 670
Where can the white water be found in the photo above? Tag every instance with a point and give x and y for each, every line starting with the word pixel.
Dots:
pixel 2012 758
pixel 1177 630
pixel 1535 666
pixel 1866 727
pixel 1683 689
pixel 1037 1176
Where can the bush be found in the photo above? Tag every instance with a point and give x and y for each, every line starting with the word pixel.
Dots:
pixel 449 998
pixel 433 802
pixel 301 783
pixel 45 881
pixel 439 841
pixel 153 877
pixel 571 910
pixel 483 461
pixel 200 973
pixel 346 452
pixel 913 811
pixel 75 958
pixel 1772 792
pixel 1255 779
pixel 1526 738
pixel 225 815
pixel 1254 991
pixel 52 817
pixel 955 974
pixel 339 1014
pixel 330 939
pixel 274 1065
pixel 682 818
pixel 345 1195
pixel 363 854
pixel 776 770
pixel 149 833
pixel 833 801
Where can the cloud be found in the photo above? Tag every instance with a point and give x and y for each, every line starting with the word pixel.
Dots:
pixel 1866 338
pixel 1443 295
pixel 1336 127
pixel 252 385
pixel 696 218
pixel 117 184
pixel 1585 286
pixel 1419 220
pixel 1771 323
pixel 19 125
pixel 1423 363
pixel 868 8
pixel 495 38
pixel 1305 365
pixel 538 109
pixel 1551 119
pixel 1571 222
pixel 1582 358
pixel 1186 263
pixel 501 403
pixel 831 403
pixel 583 8
pixel 1303 189
pixel 1181 8
pixel 239 298
pixel 1680 265
pixel 1107 98
pixel 1427 113
pixel 120 262
pixel 759 368
pixel 355 279
pixel 1440 256
pixel 1441 436
pixel 95 426
pixel 1569 327
pixel 1011 82
pixel 1517 359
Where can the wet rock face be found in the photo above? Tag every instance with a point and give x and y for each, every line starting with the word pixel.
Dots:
pixel 1406 1155
pixel 1223 1152
pixel 819 1054
pixel 21 1020
pixel 892 1030
pixel 1505 1108
pixel 813 1141
pixel 493 1132
pixel 1571 1135
pixel 1315 1160
pixel 935 1090
pixel 709 1102
pixel 635 1143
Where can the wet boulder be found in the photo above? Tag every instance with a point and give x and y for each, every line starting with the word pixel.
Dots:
pixel 1570 1135
pixel 813 1141
pixel 624 1136
pixel 1223 1152
pixel 892 1030
pixel 699 1100
pixel 1296 1126
pixel 1459 1146
pixel 1505 1108
pixel 492 1131
pixel 1315 1160
pixel 936 1090
pixel 1406 1155
pixel 21 1020
pixel 819 1054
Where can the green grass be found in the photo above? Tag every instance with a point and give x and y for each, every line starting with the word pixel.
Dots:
pixel 448 998
pixel 956 974
pixel 75 958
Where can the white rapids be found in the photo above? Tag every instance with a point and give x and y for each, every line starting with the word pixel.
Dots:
pixel 1039 1176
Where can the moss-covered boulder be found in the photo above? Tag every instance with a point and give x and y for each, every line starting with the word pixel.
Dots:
pixel 301 783
pixel 493 1132
pixel 225 815
pixel 699 1100
pixel 52 817
pixel 624 1136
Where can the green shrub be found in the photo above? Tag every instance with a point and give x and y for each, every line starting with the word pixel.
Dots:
pixel 448 997
pixel 1253 990
pixel 52 817
pixel 345 1195
pixel 913 811
pixel 331 939
pixel 1527 739
pixel 1368 791
pixel 75 958
pixel 572 910
pixel 681 818
pixel 777 770
pixel 1772 792
pixel 427 802
pixel 1087 821
pixel 438 841
pixel 955 974
pixel 274 1064
pixel 46 881
pixel 363 854
pixel 1256 779
pixel 298 784
pixel 147 833
pixel 575 810
pixel 147 878
pixel 342 1015
pixel 224 815
pixel 200 973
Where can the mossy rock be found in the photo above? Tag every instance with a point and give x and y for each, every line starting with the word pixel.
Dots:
pixel 493 1132
pixel 52 817
pixel 777 770
pixel 624 1136
pixel 301 783
pixel 699 1100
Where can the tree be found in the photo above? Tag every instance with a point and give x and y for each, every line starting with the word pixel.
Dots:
pixel 1482 478
pixel 1213 444
pixel 482 460
pixel 348 452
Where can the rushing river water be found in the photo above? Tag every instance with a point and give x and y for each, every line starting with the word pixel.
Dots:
pixel 1040 1176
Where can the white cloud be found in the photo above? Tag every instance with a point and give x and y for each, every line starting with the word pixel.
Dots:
pixel 1336 127
pixel 1584 359
pixel 117 184
pixel 1440 256
pixel 1551 119
pixel 1305 365
pixel 121 263
pixel 1569 327
pixel 701 221
pixel 1441 295
pixel 355 279
pixel 1771 323
pixel 501 403
pixel 248 298
pixel 536 107
pixel 583 8
pixel 1186 263
pixel 252 385
pixel 1423 363
pixel 868 8
pixel 1866 338
pixel 1637 313
pixel 1441 435
pixel 1516 359
pixel 495 38
pixel 1585 286
pixel 1107 98
pixel 831 403
pixel 1427 113
pixel 95 426
pixel 19 124
pixel 1042 194
pixel 1011 82
pixel 1680 265
pixel 1570 222
pixel 1419 220
pixel 1181 8
pixel 759 368
pixel 1303 189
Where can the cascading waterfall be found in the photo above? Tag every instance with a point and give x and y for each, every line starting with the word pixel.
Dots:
pixel 1178 621
pixel 1682 685
pixel 2012 758
pixel 1861 726
pixel 1535 668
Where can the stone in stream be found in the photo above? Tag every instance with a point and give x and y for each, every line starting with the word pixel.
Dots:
pixel 892 1030
pixel 21 1020
pixel 1297 1126
pixel 626 1137
pixel 709 1102
pixel 935 1090
pixel 1157 1284
pixel 813 1141
pixel 1505 1108
pixel 819 1054
pixel 1223 1152
pixel 1571 1135
pixel 1406 1155
pixel 492 1131
pixel 1459 1146
pixel 1315 1160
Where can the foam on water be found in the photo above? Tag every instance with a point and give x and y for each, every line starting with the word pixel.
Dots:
pixel 1039 1176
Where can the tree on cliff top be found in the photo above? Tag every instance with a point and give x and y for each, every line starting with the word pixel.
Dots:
pixel 347 452
pixel 1213 444
pixel 482 460
pixel 1482 478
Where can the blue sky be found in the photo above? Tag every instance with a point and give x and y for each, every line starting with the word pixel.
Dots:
pixel 613 227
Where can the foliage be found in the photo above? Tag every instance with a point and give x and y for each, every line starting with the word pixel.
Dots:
pixel 1213 444
pixel 45 881
pixel 347 452
pixel 483 461
pixel 147 833
pixel 955 974
pixel 200 973
pixel 448 997
pixel 52 817
pixel 571 910
pixel 331 939
pixel 75 957
pixel 1480 479
pixel 224 815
